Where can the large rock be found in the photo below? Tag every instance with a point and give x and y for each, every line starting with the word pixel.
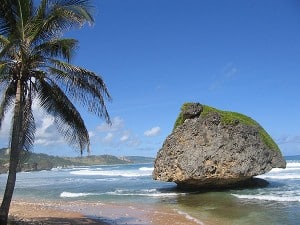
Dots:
pixel 210 148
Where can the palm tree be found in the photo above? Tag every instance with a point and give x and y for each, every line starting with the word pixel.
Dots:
pixel 35 64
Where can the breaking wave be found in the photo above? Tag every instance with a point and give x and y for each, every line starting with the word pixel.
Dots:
pixel 270 198
pixel 74 195
pixel 144 171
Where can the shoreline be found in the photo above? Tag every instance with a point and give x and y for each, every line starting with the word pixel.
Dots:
pixel 29 212
pixel 96 213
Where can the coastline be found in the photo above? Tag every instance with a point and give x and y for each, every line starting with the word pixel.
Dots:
pixel 126 195
pixel 78 212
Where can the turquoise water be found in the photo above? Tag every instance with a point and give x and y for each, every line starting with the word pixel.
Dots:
pixel 276 204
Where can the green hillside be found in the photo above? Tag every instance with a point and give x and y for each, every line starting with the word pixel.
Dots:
pixel 139 159
pixel 38 161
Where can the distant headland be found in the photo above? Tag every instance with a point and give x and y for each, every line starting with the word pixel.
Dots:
pixel 37 161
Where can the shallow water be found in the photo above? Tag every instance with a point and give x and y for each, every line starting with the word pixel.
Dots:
pixel 276 204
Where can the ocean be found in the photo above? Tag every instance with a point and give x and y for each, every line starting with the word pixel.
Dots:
pixel 276 204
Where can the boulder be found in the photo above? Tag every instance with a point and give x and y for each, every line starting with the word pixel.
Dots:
pixel 210 148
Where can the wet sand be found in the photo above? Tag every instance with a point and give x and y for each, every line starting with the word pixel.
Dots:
pixel 98 213
pixel 32 213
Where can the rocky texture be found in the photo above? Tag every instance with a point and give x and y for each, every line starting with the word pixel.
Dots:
pixel 210 148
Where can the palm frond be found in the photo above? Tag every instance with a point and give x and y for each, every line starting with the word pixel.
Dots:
pixel 83 86
pixel 54 17
pixel 79 10
pixel 64 48
pixel 3 41
pixel 41 10
pixel 31 50
pixel 4 71
pixel 6 51
pixel 40 29
pixel 67 118
pixel 7 100
pixel 28 126
pixel 8 12
pixel 25 10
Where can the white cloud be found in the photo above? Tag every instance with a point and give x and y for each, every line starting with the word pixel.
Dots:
pixel 227 74
pixel 230 70
pixel 152 132
pixel 47 142
pixel 44 126
pixel 108 138
pixel 124 138
pixel 134 142
pixel 46 133
pixel 289 144
pixel 288 139
pixel 116 135
pixel 92 134
pixel 5 127
pixel 116 124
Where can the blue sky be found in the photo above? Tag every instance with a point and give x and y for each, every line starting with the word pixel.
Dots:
pixel 154 55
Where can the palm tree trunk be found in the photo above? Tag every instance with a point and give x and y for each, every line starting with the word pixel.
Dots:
pixel 10 186
pixel 16 148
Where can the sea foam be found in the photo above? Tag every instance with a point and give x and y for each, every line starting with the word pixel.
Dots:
pixel 190 217
pixel 113 173
pixel 144 192
pixel 292 171
pixel 74 195
pixel 270 198
pixel 280 176
pixel 146 169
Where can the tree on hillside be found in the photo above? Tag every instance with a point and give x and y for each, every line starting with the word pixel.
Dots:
pixel 35 64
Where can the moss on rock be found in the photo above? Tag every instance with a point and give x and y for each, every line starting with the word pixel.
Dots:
pixel 230 118
pixel 180 119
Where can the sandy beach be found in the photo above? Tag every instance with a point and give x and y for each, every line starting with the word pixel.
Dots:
pixel 23 212
pixel 76 213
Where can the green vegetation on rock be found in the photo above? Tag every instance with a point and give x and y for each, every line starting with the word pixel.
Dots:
pixel 231 118
pixel 179 121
